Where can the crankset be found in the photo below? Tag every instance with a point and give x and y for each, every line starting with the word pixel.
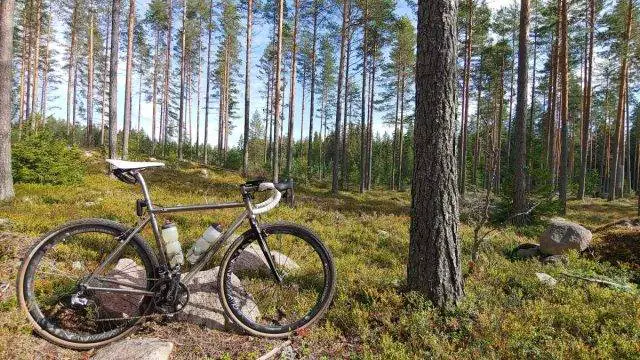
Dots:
pixel 171 296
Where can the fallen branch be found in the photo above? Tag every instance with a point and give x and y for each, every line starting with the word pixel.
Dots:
pixel 616 285
pixel 275 351
pixel 613 223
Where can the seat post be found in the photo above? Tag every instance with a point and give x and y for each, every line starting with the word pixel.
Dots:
pixel 152 216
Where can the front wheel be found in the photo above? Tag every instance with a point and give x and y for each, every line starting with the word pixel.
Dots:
pixel 277 305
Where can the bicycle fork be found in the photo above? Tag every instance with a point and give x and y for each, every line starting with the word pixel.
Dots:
pixel 262 241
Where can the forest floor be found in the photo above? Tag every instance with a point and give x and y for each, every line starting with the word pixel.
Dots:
pixel 506 313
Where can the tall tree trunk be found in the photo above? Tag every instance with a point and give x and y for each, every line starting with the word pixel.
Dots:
pixel 401 137
pixel 336 132
pixel 292 87
pixel 167 69
pixel 154 95
pixel 90 85
pixel 126 129
pixel 476 146
pixel 183 60
pixel 113 78
pixel 199 75
pixel 304 92
pixel 345 152
pixel 395 133
pixel 564 106
pixel 247 91
pixel 36 60
pixel 276 137
pixel 363 109
pixel 6 43
pixel 462 152
pixel 45 75
pixel 510 120
pixel 586 107
pixel 618 137
pixel 72 65
pixel 552 104
pixel 208 74
pixel 372 88
pixel 313 86
pixel 104 84
pixel 532 109
pixel 520 202
pixel 434 247
pixel 23 71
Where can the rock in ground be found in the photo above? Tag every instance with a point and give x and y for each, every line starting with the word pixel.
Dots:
pixel 546 279
pixel 204 306
pixel 252 258
pixel 562 236
pixel 128 272
pixel 527 251
pixel 136 349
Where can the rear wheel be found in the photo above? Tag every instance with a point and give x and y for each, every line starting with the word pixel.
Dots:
pixel 264 306
pixel 53 279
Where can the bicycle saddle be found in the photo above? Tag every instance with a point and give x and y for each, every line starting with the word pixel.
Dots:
pixel 122 169
pixel 133 165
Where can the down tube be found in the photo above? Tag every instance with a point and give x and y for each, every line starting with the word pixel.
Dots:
pixel 225 237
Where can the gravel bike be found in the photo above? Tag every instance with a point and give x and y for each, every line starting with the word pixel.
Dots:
pixel 93 281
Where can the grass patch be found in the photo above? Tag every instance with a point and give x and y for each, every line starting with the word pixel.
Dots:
pixel 506 313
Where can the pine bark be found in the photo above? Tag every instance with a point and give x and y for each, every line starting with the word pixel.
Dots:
pixel 90 84
pixel 363 132
pixel 462 152
pixel 586 106
pixel 126 129
pixel 564 107
pixel 276 137
pixel 36 61
pixel 434 248
pixel 336 132
pixel 618 140
pixel 247 90
pixel 6 39
pixel 183 60
pixel 208 82
pixel 72 64
pixel 113 78
pixel 154 95
pixel 292 88
pixel 520 202
pixel 313 87
pixel 167 68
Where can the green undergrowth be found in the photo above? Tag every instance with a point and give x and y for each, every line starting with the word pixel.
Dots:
pixel 506 313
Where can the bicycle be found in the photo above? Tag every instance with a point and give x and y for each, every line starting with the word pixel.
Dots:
pixel 93 281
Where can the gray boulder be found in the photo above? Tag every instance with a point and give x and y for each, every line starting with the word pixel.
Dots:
pixel 126 271
pixel 135 349
pixel 204 306
pixel 562 236
pixel 546 279
pixel 527 251
pixel 252 258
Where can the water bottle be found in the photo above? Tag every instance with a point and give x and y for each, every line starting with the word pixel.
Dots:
pixel 204 243
pixel 171 244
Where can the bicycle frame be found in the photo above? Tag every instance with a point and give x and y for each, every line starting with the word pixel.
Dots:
pixel 150 217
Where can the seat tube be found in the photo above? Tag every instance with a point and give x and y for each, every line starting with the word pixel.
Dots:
pixel 152 216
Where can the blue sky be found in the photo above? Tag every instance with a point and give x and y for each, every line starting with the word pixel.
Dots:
pixel 260 39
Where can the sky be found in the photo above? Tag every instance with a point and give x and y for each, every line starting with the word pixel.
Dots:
pixel 57 107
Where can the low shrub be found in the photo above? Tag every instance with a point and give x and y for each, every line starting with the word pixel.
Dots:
pixel 42 159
